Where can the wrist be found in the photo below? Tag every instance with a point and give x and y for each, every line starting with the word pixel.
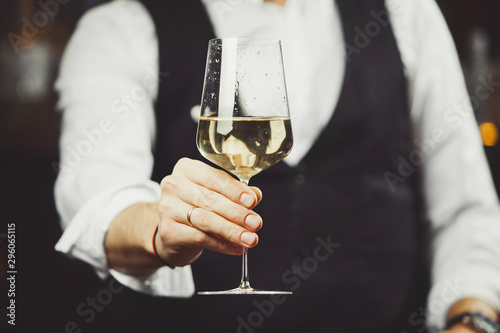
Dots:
pixel 128 240
pixel 149 237
pixel 472 305
pixel 473 322
pixel 155 251
pixel 473 315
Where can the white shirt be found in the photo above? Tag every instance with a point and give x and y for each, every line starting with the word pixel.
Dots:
pixel 108 85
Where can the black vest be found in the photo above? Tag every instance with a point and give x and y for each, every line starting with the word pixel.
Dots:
pixel 371 278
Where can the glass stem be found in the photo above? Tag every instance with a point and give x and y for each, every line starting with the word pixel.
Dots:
pixel 245 282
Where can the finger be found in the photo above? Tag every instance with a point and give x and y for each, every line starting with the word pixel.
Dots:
pixel 216 180
pixel 258 193
pixel 176 211
pixel 216 244
pixel 188 237
pixel 192 194
pixel 172 208
pixel 176 245
pixel 210 223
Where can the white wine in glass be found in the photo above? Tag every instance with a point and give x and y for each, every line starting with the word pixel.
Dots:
pixel 244 126
pixel 252 145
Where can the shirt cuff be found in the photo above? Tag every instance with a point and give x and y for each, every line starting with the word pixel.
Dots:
pixel 84 238
pixel 164 281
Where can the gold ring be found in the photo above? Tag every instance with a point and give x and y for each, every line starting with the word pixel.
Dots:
pixel 189 215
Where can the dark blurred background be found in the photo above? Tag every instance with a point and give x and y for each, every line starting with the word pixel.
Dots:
pixel 49 287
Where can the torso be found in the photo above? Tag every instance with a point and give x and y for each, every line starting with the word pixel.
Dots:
pixel 371 283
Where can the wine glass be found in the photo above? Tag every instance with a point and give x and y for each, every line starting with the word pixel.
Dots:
pixel 244 126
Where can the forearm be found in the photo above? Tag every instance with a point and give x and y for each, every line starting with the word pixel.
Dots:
pixel 128 240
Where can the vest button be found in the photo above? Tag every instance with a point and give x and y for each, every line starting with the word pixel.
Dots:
pixel 300 179
pixel 302 166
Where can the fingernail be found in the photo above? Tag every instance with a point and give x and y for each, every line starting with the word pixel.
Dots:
pixel 247 199
pixel 252 221
pixel 248 238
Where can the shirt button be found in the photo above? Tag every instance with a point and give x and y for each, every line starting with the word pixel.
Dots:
pixel 300 180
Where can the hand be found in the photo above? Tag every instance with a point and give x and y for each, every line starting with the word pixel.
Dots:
pixel 222 220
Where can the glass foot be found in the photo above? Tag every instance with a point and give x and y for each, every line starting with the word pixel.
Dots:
pixel 245 291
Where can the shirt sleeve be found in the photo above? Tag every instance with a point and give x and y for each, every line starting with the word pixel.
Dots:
pixel 107 84
pixel 461 202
